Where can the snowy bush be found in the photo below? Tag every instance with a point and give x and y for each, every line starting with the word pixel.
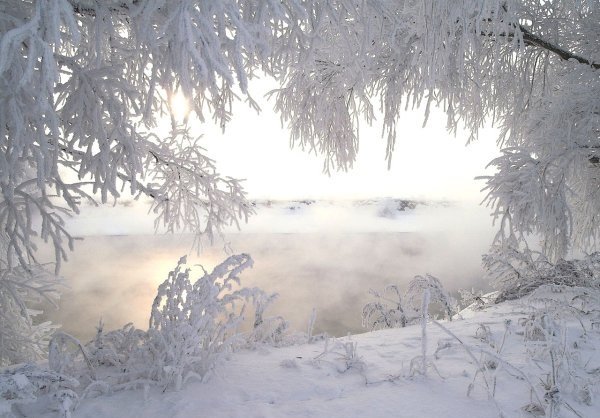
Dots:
pixel 191 324
pixel 114 348
pixel 23 337
pixel 65 353
pixel 342 355
pixel 386 311
pixel 414 306
pixel 393 310
pixel 269 330
pixel 517 272
pixel 437 294
pixel 36 389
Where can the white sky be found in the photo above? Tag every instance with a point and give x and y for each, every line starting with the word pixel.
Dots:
pixel 428 163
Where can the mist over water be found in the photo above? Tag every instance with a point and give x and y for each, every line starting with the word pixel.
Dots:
pixel 114 278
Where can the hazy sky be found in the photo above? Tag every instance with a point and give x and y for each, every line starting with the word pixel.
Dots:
pixel 341 248
pixel 428 163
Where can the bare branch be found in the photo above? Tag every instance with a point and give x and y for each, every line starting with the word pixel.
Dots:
pixel 534 40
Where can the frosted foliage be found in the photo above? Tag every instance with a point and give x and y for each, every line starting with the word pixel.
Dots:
pixel 391 309
pixel 191 324
pixel 387 311
pixel 555 160
pixel 266 330
pixel 22 336
pixel 517 272
pixel 529 67
pixel 83 84
pixel 34 385
pixel 430 288
pixel 395 51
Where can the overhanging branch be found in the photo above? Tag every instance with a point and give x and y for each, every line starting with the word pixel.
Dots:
pixel 534 40
pixel 90 10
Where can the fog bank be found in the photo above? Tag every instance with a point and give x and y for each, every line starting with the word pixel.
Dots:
pixel 319 256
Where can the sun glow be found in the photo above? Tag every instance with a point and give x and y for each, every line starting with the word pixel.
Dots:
pixel 180 106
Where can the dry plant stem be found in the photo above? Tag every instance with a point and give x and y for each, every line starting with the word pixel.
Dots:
pixel 424 318
pixel 475 361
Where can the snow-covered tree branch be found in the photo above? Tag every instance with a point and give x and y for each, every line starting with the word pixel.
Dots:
pixel 529 67
pixel 84 84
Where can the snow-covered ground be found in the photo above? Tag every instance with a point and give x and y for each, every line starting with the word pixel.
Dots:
pixel 378 374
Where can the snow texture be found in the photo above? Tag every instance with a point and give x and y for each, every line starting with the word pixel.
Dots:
pixel 502 360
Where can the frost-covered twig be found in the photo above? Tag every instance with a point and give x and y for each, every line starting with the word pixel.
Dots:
pixel 22 336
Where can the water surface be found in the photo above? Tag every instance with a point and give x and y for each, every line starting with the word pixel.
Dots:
pixel 114 278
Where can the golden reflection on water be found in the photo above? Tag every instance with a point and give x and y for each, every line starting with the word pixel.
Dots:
pixel 114 278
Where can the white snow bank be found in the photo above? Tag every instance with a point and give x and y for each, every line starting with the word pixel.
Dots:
pixel 370 375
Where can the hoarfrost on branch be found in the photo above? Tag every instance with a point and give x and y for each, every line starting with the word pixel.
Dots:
pixel 84 82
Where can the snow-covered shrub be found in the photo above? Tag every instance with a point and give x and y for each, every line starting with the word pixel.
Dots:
pixel 475 299
pixel 556 351
pixel 36 388
pixel 269 330
pixel 114 348
pixel 191 324
pixel 393 310
pixel 342 355
pixel 386 311
pixel 517 272
pixel 398 311
pixel 22 336
pixel 437 294
pixel 64 353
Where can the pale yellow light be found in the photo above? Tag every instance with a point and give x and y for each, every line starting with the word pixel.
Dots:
pixel 180 106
